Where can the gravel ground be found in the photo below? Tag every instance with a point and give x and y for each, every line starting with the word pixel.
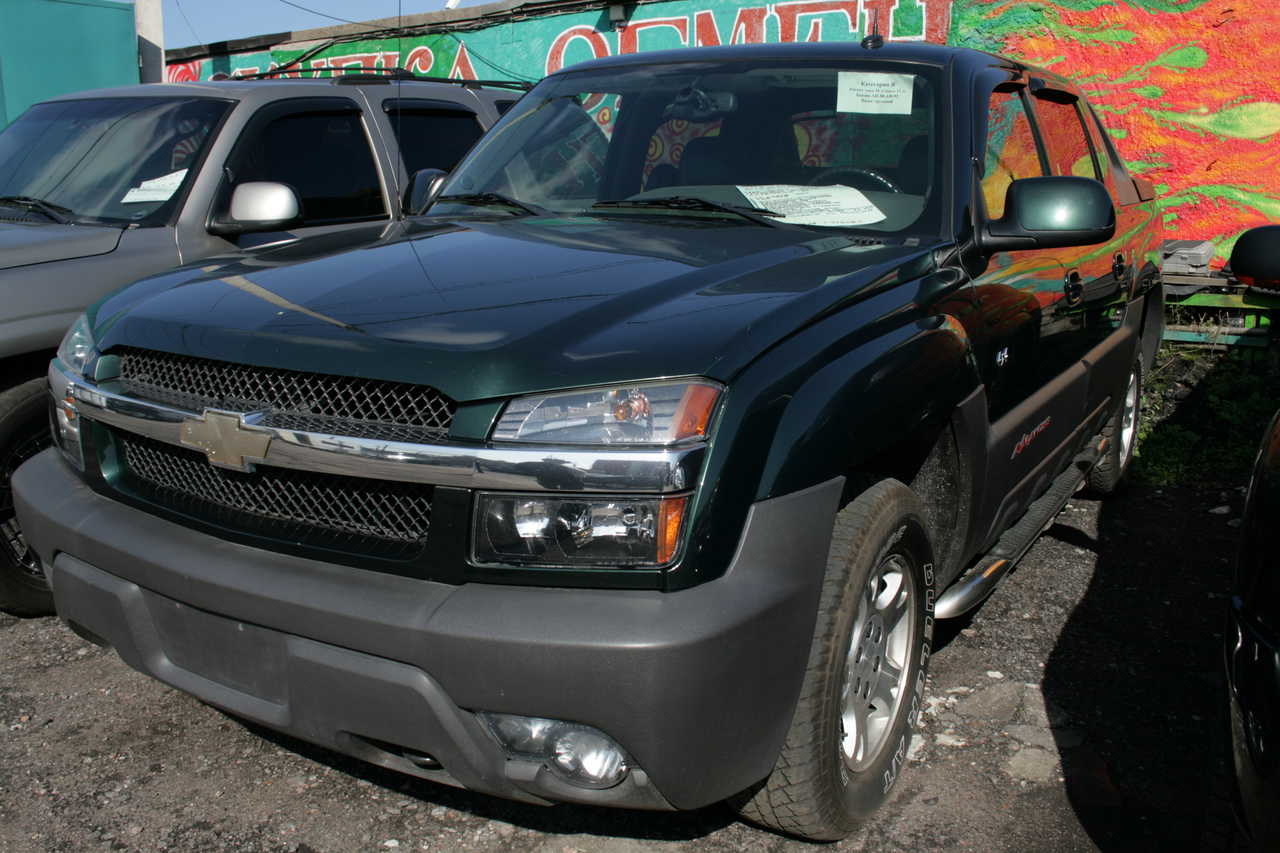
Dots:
pixel 1078 709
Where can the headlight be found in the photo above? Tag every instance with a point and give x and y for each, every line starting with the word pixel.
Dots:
pixel 77 348
pixel 587 531
pixel 639 413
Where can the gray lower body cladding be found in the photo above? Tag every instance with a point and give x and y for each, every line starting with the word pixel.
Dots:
pixel 698 686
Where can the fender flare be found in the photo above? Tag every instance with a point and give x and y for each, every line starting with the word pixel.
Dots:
pixel 913 377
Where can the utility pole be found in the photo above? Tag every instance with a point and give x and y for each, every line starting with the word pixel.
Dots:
pixel 148 17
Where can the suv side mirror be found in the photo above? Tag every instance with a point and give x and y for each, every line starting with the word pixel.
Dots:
pixel 424 186
pixel 1255 260
pixel 259 206
pixel 1050 212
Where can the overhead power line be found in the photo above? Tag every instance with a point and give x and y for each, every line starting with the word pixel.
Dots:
pixel 183 12
pixel 494 65
pixel 321 14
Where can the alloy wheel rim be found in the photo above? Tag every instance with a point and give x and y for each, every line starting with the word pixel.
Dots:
pixel 876 668
pixel 1129 418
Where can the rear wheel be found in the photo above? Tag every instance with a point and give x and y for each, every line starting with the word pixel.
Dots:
pixel 1121 433
pixel 24 432
pixel 865 679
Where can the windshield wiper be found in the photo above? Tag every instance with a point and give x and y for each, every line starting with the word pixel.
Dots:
pixel 683 202
pixel 490 198
pixel 56 212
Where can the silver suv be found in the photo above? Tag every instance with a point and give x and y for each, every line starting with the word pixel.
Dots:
pixel 100 188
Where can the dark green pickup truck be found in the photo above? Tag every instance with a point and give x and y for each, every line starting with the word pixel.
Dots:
pixel 637 471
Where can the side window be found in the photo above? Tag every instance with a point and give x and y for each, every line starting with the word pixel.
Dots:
pixel 1113 168
pixel 433 139
pixel 1065 141
pixel 1011 150
pixel 326 158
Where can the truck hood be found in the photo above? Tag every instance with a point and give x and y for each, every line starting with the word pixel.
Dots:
pixel 39 243
pixel 483 309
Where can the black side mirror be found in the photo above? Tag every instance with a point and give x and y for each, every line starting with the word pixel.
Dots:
pixel 424 186
pixel 259 206
pixel 1255 260
pixel 1051 212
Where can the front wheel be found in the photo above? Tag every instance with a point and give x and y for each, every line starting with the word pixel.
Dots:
pixel 865 678
pixel 24 432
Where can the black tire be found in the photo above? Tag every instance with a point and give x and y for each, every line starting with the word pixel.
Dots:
pixel 24 432
pixel 1121 432
pixel 815 791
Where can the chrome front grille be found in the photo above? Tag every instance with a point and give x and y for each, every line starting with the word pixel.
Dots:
pixel 375 518
pixel 308 402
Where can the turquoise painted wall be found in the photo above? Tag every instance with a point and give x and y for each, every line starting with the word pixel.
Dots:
pixel 95 46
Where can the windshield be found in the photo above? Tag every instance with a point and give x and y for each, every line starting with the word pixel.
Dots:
pixel 852 147
pixel 113 160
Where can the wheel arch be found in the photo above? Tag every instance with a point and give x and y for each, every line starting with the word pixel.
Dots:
pixel 917 378
pixel 18 368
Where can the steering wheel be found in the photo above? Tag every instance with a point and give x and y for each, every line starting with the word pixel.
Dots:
pixel 882 183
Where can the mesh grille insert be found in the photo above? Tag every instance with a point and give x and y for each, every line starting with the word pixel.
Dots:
pixel 375 518
pixel 312 402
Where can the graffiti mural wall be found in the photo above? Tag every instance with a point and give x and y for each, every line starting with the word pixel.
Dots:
pixel 1187 86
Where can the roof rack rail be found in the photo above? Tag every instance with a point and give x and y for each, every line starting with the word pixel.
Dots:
pixel 368 73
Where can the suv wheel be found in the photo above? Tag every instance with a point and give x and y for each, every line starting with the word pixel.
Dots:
pixel 1121 431
pixel 865 679
pixel 24 432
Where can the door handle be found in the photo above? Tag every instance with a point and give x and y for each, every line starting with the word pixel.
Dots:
pixel 1118 266
pixel 1073 288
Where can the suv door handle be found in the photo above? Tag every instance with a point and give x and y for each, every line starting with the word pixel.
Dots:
pixel 1073 288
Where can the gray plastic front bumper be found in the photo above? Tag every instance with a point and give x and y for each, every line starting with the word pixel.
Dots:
pixel 698 686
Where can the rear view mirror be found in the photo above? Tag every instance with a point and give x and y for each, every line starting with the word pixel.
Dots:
pixel 424 186
pixel 1051 212
pixel 259 206
pixel 694 104
pixel 1255 260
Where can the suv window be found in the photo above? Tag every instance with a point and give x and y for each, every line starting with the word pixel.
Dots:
pixel 814 146
pixel 1011 150
pixel 564 159
pixel 326 158
pixel 433 138
pixel 125 160
pixel 1065 140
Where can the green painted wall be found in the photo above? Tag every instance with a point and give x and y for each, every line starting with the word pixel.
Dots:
pixel 95 46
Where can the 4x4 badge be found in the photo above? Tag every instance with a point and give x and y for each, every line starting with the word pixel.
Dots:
pixel 225 439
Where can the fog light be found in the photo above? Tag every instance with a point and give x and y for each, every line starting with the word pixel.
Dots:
pixel 65 425
pixel 579 754
pixel 586 757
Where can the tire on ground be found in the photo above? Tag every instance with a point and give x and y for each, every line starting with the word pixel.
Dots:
pixel 24 429
pixel 1105 477
pixel 814 791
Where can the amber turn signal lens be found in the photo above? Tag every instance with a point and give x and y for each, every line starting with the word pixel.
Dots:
pixel 694 412
pixel 670 521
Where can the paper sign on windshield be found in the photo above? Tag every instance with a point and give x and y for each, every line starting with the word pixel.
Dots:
pixel 874 92
pixel 156 189
pixel 836 206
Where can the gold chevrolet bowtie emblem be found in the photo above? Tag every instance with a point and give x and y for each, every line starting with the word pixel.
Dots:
pixel 224 438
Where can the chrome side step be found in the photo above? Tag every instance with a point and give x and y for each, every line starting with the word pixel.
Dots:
pixel 975 585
